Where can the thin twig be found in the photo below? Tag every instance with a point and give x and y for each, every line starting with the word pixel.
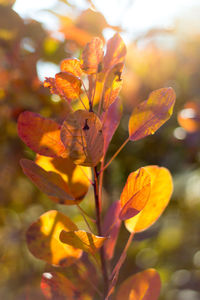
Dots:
pixel 116 153
pixel 98 221
pixel 82 102
pixel 121 259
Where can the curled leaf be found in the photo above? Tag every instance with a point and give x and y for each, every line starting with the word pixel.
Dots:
pixel 82 136
pixel 115 53
pixel 68 85
pixel 92 56
pixel 56 286
pixel 151 114
pixel 145 285
pixel 81 239
pixel 135 194
pixel 76 178
pixel 71 66
pixel 161 190
pixel 42 135
pixel 50 183
pixel 112 86
pixel 43 239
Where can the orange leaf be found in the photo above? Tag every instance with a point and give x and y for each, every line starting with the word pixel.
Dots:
pixel 151 114
pixel 50 83
pixel 81 133
pixel 50 183
pixel 112 86
pixel 40 134
pixel 110 120
pixel 55 286
pixel 75 177
pixel 189 117
pixel 71 66
pixel 83 240
pixel 43 239
pixel 145 285
pixel 68 85
pixel 116 52
pixel 161 190
pixel 92 56
pixel 135 193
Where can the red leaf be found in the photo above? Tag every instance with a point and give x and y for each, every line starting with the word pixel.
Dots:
pixel 50 183
pixel 55 286
pixel 111 226
pixel 110 120
pixel 42 135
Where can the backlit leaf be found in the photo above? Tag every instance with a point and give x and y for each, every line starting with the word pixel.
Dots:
pixel 75 177
pixel 161 190
pixel 68 85
pixel 135 193
pixel 50 83
pixel 116 52
pixel 81 133
pixel 50 183
pixel 43 239
pixel 71 66
pixel 145 285
pixel 56 286
pixel 111 226
pixel 42 135
pixel 92 56
pixel 82 240
pixel 112 86
pixel 110 120
pixel 151 114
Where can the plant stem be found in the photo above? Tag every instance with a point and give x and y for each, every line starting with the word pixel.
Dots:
pixel 98 221
pixel 116 153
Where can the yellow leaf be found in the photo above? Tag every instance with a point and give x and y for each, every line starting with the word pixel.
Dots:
pixel 76 178
pixel 44 243
pixel 151 114
pixel 83 240
pixel 161 190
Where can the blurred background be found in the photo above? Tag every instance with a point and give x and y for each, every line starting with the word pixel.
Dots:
pixel 163 42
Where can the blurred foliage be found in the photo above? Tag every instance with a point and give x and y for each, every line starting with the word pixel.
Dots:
pixel 157 59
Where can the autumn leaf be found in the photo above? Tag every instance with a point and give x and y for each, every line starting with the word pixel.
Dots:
pixel 82 240
pixel 135 193
pixel 68 85
pixel 92 56
pixel 56 286
pixel 115 53
pixel 76 178
pixel 50 183
pixel 43 239
pixel 151 114
pixel 42 135
pixel 145 285
pixel 82 136
pixel 110 120
pixel 112 85
pixel 71 66
pixel 161 190
pixel 111 226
